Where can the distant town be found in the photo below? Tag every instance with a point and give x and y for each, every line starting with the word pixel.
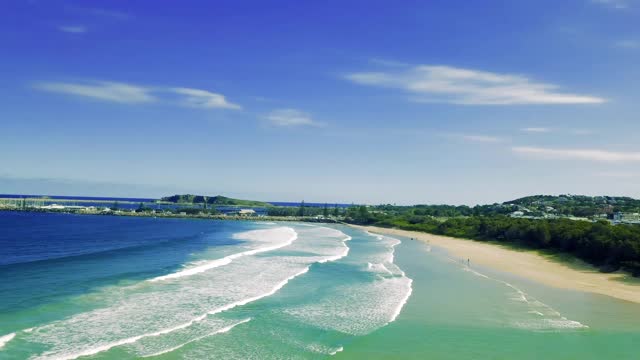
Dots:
pixel 616 210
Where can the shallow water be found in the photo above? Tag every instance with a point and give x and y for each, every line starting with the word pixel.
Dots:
pixel 121 288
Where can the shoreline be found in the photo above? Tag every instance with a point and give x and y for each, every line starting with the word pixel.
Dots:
pixel 529 264
pixel 177 216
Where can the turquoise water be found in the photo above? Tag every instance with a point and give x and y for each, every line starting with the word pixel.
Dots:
pixel 123 288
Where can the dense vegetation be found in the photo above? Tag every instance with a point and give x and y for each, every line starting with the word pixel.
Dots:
pixel 578 205
pixel 212 200
pixel 303 210
pixel 607 246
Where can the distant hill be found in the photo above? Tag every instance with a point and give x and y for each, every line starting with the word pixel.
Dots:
pixel 579 205
pixel 212 200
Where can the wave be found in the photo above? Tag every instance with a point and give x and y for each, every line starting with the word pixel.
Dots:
pixel 270 234
pixel 130 340
pixel 546 317
pixel 221 331
pixel 337 257
pixel 359 305
pixel 398 309
pixel 5 339
pixel 136 308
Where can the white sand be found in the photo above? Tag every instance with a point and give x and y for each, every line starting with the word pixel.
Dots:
pixel 529 264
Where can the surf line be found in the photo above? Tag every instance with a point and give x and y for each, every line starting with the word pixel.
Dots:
pixel 221 331
pixel 523 296
pixel 390 260
pixel 5 339
pixel 133 339
pixel 226 260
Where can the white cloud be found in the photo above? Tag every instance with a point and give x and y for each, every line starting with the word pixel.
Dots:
pixel 582 132
pixel 447 84
pixel 618 175
pixel 75 29
pixel 135 94
pixel 476 138
pixel 482 138
pixel 291 117
pixel 536 130
pixel 628 44
pixel 578 154
pixel 615 4
pixel 204 99
pixel 116 15
pixel 387 62
pixel 101 90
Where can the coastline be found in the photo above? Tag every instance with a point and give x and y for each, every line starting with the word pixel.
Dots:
pixel 177 216
pixel 529 264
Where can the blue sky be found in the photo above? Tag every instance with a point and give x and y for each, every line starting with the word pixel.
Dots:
pixel 333 101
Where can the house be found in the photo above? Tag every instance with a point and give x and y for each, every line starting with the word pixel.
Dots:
pixel 247 212
pixel 517 214
pixel 621 217
pixel 52 207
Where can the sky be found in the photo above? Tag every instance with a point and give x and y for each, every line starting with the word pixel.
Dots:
pixel 408 102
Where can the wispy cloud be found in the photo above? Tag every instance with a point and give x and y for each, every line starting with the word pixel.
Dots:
pixel 618 175
pixel 204 99
pixel 447 84
pixel 578 154
pixel 627 44
pixel 290 118
pixel 75 29
pixel 101 90
pixel 107 14
pixel 582 132
pixel 387 62
pixel 482 138
pixel 614 4
pixel 475 138
pixel 136 94
pixel 113 14
pixel 536 130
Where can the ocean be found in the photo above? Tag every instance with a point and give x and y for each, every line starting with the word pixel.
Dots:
pixel 101 287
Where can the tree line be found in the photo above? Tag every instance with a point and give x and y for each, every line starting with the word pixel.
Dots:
pixel 609 247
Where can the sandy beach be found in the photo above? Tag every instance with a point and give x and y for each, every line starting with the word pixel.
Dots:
pixel 529 264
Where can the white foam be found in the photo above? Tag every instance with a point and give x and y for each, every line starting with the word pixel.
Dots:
pixel 402 302
pixel 221 331
pixel 340 349
pixel 550 324
pixel 5 339
pixel 105 347
pixel 287 233
pixel 378 268
pixel 252 299
pixel 552 319
pixel 339 256
pixel 358 308
pixel 171 310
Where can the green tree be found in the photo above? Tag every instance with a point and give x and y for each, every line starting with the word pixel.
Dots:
pixel 336 211
pixel 325 211
pixel 301 209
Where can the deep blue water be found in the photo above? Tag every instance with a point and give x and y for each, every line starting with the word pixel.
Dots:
pixel 48 255
pixel 99 198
